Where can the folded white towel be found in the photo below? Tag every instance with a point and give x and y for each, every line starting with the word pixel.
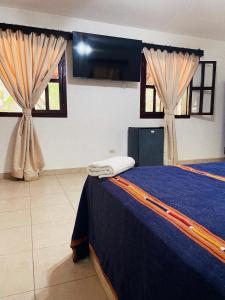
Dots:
pixel 110 167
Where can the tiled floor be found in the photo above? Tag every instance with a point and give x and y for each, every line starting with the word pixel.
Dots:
pixel 36 223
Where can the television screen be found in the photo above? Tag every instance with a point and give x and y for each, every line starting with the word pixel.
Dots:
pixel 105 57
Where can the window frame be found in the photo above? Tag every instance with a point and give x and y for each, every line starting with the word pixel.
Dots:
pixel 143 86
pixel 203 88
pixel 62 113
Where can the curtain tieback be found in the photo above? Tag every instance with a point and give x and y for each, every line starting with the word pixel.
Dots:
pixel 169 112
pixel 27 112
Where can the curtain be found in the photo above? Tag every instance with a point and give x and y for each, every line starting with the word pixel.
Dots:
pixel 171 74
pixel 27 62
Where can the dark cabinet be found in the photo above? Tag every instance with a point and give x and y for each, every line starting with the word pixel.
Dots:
pixel 146 145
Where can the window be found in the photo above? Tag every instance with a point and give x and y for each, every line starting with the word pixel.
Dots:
pixel 203 89
pixel 197 99
pixel 52 102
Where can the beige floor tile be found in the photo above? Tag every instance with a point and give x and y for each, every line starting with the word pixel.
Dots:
pixel 16 274
pixel 46 190
pixel 15 219
pixel 71 177
pixel 6 180
pixel 16 203
pixel 73 188
pixel 52 198
pixel 52 213
pixel 52 234
pixel 14 189
pixel 72 182
pixel 74 198
pixel 23 296
pixel 45 186
pixel 86 289
pixel 15 240
pixel 54 265
pixel 44 180
pixel 49 200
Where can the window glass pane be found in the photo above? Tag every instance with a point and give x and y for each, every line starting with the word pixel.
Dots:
pixel 179 108
pixel 182 107
pixel 149 100
pixel 7 103
pixel 206 102
pixel 41 104
pixel 56 74
pixel 54 103
pixel 197 76
pixel 208 74
pixel 195 101
pixel 158 105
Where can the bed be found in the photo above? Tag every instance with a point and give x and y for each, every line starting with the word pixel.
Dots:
pixel 156 232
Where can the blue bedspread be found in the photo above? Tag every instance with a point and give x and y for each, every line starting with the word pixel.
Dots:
pixel 144 256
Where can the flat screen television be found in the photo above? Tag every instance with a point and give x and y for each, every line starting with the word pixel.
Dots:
pixel 105 57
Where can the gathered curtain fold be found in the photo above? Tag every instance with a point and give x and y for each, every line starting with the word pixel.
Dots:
pixel 171 74
pixel 27 63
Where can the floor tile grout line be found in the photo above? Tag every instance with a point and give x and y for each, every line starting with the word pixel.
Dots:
pixel 14 197
pixel 65 193
pixel 8 211
pixel 11 295
pixel 53 222
pixel 32 249
pixel 50 206
pixel 50 246
pixel 19 252
pixel 7 228
pixel 58 220
pixel 75 280
pixel 32 246
pixel 50 286
pixel 32 207
pixel 13 210
pixel 14 227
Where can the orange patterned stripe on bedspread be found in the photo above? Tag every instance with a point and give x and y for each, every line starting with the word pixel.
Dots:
pixel 190 169
pixel 199 234
pixel 75 243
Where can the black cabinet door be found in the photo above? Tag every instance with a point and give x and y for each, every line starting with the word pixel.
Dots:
pixel 133 144
pixel 151 141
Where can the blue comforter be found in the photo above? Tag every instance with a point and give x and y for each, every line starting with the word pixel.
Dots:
pixel 144 256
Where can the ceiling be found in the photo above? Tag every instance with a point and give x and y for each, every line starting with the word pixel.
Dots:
pixel 203 18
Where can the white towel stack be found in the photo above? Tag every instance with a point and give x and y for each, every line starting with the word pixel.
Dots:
pixel 110 167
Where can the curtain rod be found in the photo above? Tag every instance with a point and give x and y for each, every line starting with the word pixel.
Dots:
pixel 28 29
pixel 68 36
pixel 197 52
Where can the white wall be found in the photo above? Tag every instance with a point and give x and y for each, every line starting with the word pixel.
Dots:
pixel 99 112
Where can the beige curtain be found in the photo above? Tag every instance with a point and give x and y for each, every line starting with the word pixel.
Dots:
pixel 27 62
pixel 171 74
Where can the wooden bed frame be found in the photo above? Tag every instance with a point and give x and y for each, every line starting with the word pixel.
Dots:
pixel 106 284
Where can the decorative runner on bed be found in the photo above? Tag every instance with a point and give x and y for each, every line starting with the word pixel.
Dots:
pixel 200 172
pixel 192 229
